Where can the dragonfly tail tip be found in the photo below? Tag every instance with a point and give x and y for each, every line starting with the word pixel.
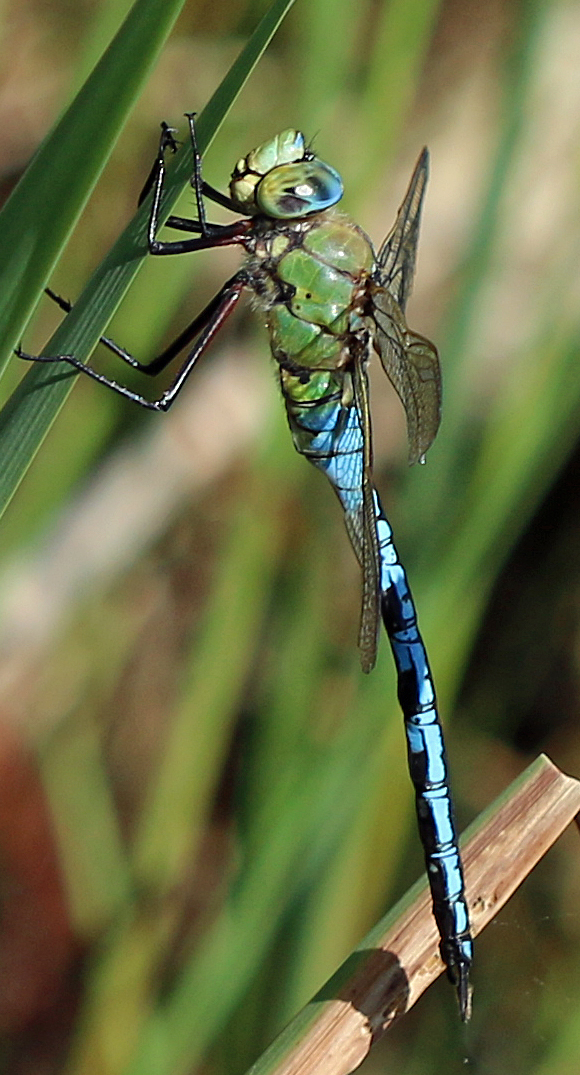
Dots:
pixel 464 993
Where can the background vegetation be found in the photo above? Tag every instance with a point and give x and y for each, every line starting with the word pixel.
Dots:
pixel 203 803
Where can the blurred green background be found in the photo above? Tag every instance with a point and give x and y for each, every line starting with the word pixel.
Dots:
pixel 203 803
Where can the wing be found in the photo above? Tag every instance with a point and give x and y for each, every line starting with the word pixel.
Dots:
pixel 333 431
pixel 412 365
pixel 396 257
pixel 369 555
pixel 409 360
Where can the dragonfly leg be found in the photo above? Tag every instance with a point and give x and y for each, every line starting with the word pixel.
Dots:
pixel 210 234
pixel 221 308
pixel 202 330
pixel 166 141
pixel 105 340
pixel 196 180
pixel 155 365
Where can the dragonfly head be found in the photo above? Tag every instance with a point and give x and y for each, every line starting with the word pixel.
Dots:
pixel 283 179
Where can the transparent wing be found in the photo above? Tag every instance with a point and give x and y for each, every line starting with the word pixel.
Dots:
pixel 334 433
pixel 396 257
pixel 370 557
pixel 411 363
pixel 409 360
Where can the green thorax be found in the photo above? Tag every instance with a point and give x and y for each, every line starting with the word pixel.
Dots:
pixel 310 278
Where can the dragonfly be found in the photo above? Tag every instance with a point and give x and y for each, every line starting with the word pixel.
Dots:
pixel 328 299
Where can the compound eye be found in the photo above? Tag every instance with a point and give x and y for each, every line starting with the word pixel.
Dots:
pixel 294 190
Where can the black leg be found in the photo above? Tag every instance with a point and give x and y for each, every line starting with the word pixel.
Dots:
pixel 219 198
pixel 201 188
pixel 202 329
pixel 218 235
pixel 196 177
pixel 160 362
pixel 166 141
pixel 184 223
pixel 105 340
pixel 210 234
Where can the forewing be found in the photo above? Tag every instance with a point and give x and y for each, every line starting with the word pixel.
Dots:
pixel 411 363
pixel 370 557
pixel 396 258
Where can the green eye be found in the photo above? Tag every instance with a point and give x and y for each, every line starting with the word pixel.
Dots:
pixel 284 148
pixel 292 190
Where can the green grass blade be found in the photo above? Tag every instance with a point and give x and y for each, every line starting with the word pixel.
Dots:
pixel 31 410
pixel 39 217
